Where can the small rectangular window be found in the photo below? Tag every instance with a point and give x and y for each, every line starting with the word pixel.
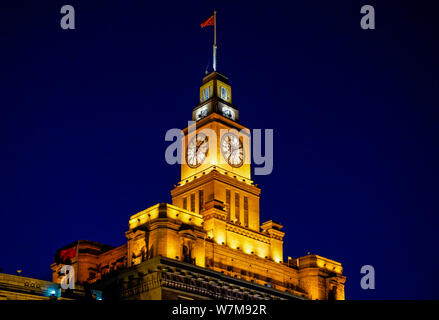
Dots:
pixel 228 204
pixel 200 200
pixel 185 203
pixel 246 211
pixel 237 213
pixel 193 202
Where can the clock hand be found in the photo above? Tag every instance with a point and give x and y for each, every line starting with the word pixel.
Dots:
pixel 197 147
pixel 200 145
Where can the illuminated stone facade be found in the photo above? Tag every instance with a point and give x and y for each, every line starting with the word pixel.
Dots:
pixel 13 287
pixel 211 233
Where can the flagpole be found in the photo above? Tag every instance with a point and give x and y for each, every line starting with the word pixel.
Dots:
pixel 214 44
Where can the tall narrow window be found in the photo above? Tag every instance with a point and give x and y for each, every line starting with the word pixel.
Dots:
pixel 206 93
pixel 200 200
pixel 237 213
pixel 223 93
pixel 193 202
pixel 246 211
pixel 185 203
pixel 228 202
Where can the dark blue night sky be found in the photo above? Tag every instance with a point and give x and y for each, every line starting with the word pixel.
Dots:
pixel 83 115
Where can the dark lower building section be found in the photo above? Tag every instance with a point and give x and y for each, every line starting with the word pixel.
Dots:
pixel 162 278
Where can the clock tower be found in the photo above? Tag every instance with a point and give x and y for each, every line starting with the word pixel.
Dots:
pixel 215 168
pixel 215 138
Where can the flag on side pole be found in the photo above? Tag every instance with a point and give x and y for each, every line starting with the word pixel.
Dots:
pixel 68 253
pixel 209 22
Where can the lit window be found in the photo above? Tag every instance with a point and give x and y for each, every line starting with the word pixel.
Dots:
pixel 228 112
pixel 224 93
pixel 201 113
pixel 205 94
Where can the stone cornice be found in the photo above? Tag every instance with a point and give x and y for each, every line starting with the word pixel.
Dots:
pixel 215 175
pixel 218 118
pixel 248 233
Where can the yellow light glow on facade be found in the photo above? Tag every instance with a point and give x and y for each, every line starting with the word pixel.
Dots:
pixel 170 211
pixel 172 250
pixel 247 248
pixel 220 239
pixel 233 243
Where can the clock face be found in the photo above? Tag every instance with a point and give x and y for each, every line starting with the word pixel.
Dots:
pixel 232 150
pixel 197 150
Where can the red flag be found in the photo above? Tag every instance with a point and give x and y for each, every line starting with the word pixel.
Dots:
pixel 208 22
pixel 67 253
